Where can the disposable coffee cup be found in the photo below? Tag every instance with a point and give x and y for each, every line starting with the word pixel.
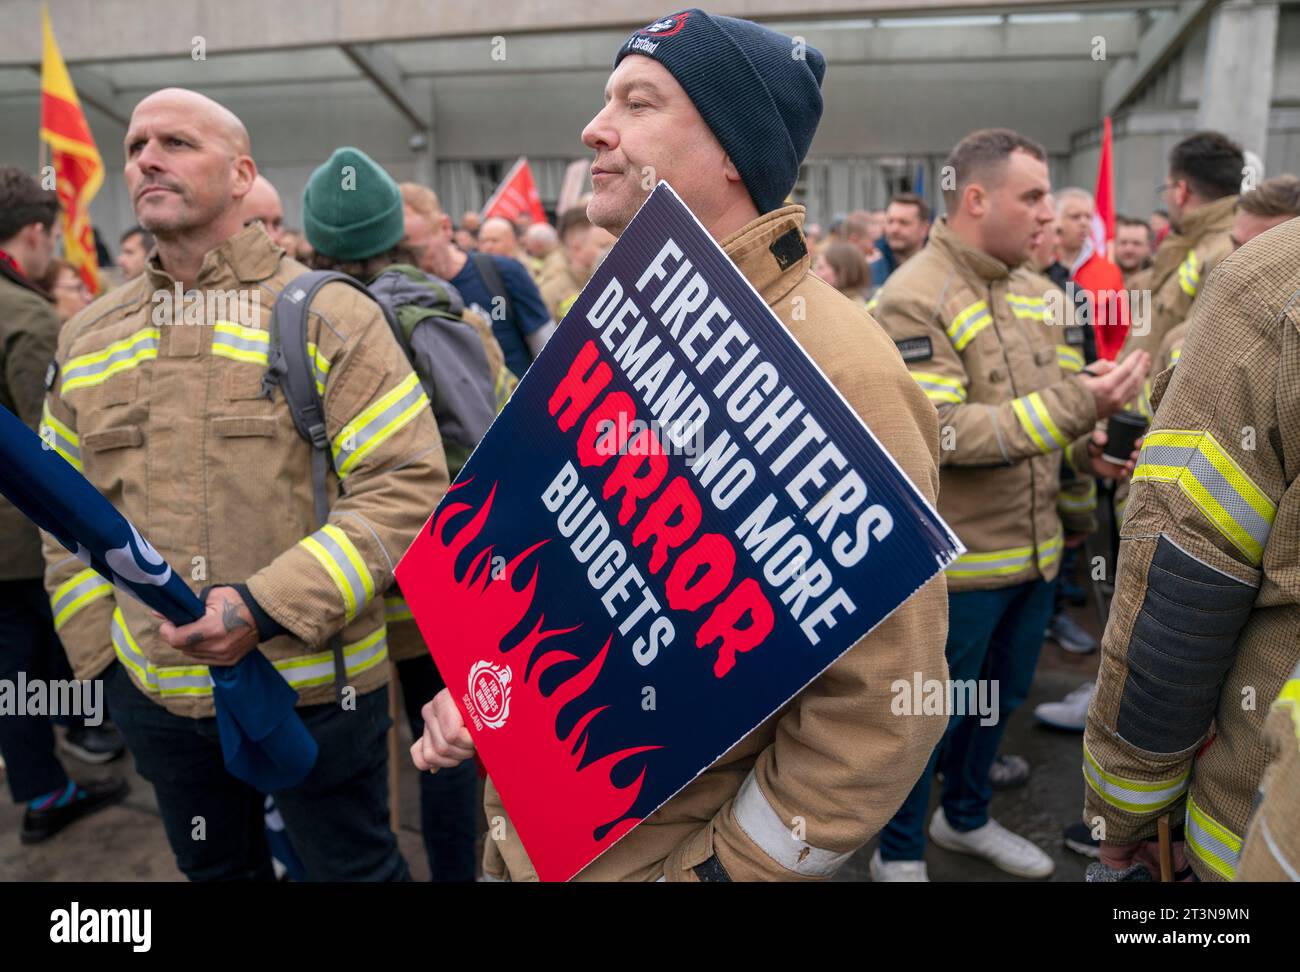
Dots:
pixel 1122 432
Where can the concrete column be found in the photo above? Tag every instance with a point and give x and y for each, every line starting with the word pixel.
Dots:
pixel 426 156
pixel 1238 80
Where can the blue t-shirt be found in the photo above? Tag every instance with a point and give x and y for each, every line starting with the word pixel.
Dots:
pixel 525 314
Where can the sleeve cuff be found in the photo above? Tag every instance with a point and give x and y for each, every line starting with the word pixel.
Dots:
pixel 267 626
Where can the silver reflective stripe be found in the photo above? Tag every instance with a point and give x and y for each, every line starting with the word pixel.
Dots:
pixel 964 332
pixel 122 644
pixel 1131 795
pixel 1205 473
pixel 124 350
pixel 358 584
pixel 1216 846
pixel 985 566
pixel 76 593
pixel 226 340
pixel 1027 412
pixel 377 425
pixel 755 816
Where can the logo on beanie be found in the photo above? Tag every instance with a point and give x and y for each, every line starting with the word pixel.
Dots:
pixel 666 27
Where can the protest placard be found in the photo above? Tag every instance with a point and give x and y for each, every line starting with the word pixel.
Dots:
pixel 674 525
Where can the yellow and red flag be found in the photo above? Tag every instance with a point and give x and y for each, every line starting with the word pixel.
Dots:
pixel 77 163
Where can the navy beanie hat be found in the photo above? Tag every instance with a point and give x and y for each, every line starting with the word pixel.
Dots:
pixel 759 93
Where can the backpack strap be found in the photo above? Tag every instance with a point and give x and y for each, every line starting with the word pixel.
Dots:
pixel 496 285
pixel 291 369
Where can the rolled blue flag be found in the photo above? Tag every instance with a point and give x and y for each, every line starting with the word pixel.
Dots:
pixel 263 741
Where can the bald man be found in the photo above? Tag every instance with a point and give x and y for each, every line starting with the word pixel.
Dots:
pixel 497 236
pixel 263 202
pixel 172 424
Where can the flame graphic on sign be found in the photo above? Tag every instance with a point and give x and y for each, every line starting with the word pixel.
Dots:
pixel 566 813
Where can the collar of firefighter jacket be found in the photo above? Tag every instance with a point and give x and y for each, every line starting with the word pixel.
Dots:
pixel 1215 217
pixel 249 256
pixel 978 262
pixel 771 252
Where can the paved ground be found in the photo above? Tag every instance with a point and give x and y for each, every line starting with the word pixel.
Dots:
pixel 126 842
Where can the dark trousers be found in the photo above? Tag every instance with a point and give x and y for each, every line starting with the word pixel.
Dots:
pixel 28 644
pixel 449 797
pixel 337 819
pixel 992 635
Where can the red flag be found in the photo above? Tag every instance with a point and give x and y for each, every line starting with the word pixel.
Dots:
pixel 516 194
pixel 1103 217
pixel 78 168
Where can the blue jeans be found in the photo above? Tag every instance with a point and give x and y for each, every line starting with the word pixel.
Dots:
pixel 995 636
pixel 336 819
pixel 448 798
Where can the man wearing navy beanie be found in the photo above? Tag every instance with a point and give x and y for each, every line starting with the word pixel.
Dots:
pixel 724 110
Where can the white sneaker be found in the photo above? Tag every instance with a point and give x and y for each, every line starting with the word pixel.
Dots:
pixel 883 871
pixel 1071 712
pixel 995 844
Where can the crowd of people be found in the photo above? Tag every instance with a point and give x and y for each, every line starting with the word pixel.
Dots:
pixel 986 348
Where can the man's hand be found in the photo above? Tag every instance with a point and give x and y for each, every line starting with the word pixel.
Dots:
pixel 224 634
pixel 1073 540
pixel 1113 386
pixel 1120 857
pixel 446 742
pixel 1104 468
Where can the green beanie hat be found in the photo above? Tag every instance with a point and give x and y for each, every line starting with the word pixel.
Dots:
pixel 352 208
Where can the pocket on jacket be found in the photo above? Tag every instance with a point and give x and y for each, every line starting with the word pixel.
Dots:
pixel 245 426
pixel 121 437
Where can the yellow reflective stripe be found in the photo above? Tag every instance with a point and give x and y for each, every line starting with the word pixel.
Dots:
pixel 1000 563
pixel 1027 308
pixel 57 436
pixel 1049 551
pixel 377 423
pixel 1189 275
pixel 1085 502
pixel 300 671
pixel 1175 353
pixel 939 388
pixel 1144 401
pixel 396 609
pixel 1070 359
pixel 874 302
pixel 92 369
pixel 320 365
pixel 75 593
pixel 306 671
pixel 239 343
pixel 968 323
pixel 1214 482
pixel 563 306
pixel 336 552
pixel 1289 698
pixel 1032 413
pixel 1216 845
pixel 1134 796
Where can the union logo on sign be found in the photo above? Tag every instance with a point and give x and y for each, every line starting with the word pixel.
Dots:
pixel 489 692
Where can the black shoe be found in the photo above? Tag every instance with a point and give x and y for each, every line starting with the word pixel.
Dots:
pixel 1078 837
pixel 93 744
pixel 39 825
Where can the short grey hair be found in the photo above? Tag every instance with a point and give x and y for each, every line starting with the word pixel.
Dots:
pixel 1073 192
